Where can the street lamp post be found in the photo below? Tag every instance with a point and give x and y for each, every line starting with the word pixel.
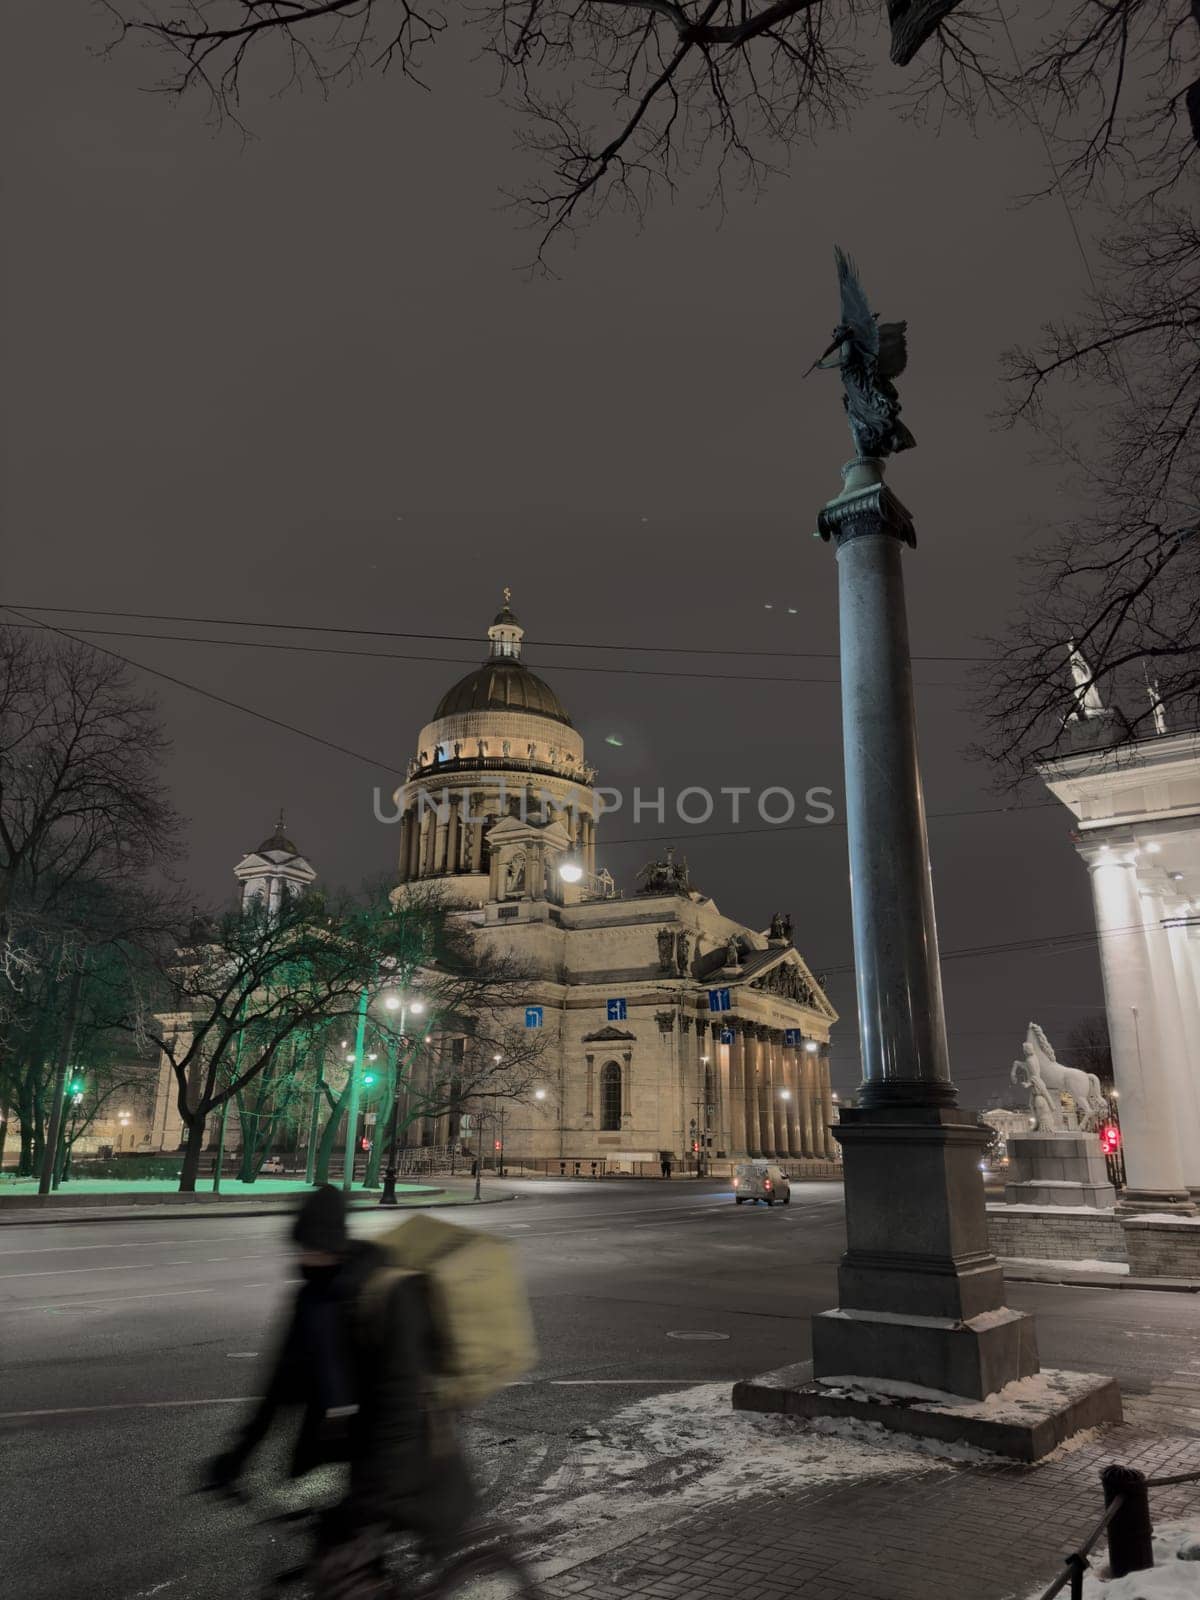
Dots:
pixel 402 1004
pixel 356 1061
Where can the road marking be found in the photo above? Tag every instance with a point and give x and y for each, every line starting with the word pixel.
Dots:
pixel 134 1266
pixel 128 1405
pixel 696 1333
pixel 240 1355
pixel 160 1294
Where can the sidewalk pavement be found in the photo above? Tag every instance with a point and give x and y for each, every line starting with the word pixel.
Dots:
pixel 175 1207
pixel 976 1532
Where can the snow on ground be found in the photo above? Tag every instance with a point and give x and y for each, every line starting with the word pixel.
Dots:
pixel 1118 1269
pixel 1175 1574
pixel 665 1457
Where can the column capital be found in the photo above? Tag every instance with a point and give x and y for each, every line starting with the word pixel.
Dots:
pixel 857 512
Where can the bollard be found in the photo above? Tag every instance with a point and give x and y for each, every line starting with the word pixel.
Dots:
pixel 1130 1536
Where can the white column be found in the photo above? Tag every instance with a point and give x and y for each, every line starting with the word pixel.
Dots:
pixel 1153 1167
pixel 1185 1011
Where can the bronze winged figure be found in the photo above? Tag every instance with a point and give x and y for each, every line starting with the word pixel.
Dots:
pixel 870 354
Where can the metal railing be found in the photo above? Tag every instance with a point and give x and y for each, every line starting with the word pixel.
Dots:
pixel 1126 1521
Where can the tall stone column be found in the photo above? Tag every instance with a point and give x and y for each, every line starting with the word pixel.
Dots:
pixel 428 838
pixel 826 1092
pixel 791 1079
pixel 807 1118
pixel 1153 1164
pixel 441 836
pixel 414 843
pixel 477 830
pixel 921 1297
pixel 453 825
pixel 1178 1050
pixel 405 827
pixel 777 1080
pixel 762 1092
pixel 737 1092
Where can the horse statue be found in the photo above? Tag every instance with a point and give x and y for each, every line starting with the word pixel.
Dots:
pixel 1047 1079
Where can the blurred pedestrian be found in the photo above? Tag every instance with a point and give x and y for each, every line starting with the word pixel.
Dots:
pixel 357 1365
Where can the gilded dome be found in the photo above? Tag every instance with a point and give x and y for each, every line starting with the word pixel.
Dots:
pixel 502 684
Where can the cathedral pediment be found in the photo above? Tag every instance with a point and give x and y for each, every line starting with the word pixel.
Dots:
pixel 608 1035
pixel 783 973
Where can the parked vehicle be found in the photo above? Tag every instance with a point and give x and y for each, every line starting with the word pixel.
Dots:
pixel 272 1164
pixel 761 1180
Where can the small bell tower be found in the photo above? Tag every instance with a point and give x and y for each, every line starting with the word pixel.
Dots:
pixel 273 872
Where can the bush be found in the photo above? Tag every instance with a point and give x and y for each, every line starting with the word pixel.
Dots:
pixel 135 1166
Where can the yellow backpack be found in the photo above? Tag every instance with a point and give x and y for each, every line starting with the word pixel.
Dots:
pixel 479 1305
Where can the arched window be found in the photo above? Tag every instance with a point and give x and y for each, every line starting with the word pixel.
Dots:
pixel 610 1096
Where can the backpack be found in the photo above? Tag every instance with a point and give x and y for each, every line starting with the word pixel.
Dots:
pixel 478 1302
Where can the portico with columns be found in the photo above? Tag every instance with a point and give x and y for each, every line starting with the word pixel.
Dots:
pixel 1137 812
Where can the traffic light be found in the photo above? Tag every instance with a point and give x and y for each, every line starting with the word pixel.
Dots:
pixel 75 1086
pixel 497 1144
pixel 368 1078
pixel 695 1147
pixel 1110 1138
pixel 364 1143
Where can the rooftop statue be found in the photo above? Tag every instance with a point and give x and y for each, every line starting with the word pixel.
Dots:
pixel 869 354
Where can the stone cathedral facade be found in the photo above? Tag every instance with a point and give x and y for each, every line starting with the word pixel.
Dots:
pixel 664 1023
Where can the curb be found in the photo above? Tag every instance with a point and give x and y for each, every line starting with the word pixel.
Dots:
pixel 266 1208
pixel 1097 1280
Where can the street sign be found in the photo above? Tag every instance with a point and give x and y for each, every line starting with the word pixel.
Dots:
pixel 726 1035
pixel 533 1016
pixel 718 999
pixel 792 1036
pixel 617 1011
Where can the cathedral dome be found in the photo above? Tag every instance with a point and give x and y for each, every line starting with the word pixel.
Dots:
pixel 503 682
pixel 502 685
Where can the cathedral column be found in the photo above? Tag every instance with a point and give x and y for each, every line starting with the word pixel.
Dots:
pixel 414 843
pixel 737 1090
pixel 589 1083
pixel 442 819
pixel 828 1147
pixel 589 845
pixel 791 1078
pixel 775 1085
pixel 627 1089
pixel 812 1099
pixel 453 844
pixel 476 832
pixel 405 827
pixel 762 1092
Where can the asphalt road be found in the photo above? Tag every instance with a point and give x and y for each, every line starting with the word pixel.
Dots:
pixel 127 1347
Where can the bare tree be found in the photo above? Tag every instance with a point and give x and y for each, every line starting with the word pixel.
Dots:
pixel 81 789
pixel 618 100
pixel 1117 394
pixel 248 985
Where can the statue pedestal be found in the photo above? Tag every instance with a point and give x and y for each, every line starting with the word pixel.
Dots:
pixel 1058 1169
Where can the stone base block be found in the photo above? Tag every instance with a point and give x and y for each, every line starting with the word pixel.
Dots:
pixel 1057 1169
pixel 1024 1420
pixel 1162 1246
pixel 971 1358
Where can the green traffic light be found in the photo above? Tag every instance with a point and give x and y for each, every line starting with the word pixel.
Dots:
pixel 76 1086
pixel 368 1078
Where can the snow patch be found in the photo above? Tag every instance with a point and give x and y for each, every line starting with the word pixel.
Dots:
pixel 663 1458
pixel 1174 1576
pixel 1059 1264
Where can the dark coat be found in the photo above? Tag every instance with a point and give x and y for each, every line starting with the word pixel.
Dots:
pixel 376 1353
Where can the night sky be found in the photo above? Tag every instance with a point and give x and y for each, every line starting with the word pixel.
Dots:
pixel 306 380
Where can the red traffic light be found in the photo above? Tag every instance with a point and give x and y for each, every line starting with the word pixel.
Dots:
pixel 695 1146
pixel 497 1144
pixel 1110 1138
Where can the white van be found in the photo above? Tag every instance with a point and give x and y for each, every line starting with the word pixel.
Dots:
pixel 761 1180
